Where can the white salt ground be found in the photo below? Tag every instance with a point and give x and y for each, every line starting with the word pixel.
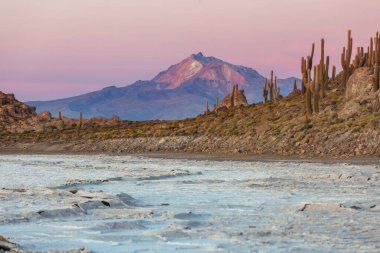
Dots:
pixel 136 204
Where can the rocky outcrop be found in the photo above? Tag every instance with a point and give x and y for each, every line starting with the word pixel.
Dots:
pixel 12 108
pixel 359 96
pixel 360 85
pixel 295 92
pixel 17 117
pixel 235 98
pixel 7 246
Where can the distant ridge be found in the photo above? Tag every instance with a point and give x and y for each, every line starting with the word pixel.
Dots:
pixel 176 93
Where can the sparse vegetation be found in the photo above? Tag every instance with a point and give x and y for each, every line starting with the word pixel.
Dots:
pixel 316 120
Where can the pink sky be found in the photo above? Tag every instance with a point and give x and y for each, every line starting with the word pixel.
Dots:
pixel 57 48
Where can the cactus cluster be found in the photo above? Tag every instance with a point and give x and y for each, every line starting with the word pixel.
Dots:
pixel 274 91
pixel 314 88
pixel 360 58
pixel 315 79
pixel 370 59
pixel 346 59
pixel 306 66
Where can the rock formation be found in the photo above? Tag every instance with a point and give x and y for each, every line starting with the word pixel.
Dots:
pixel 17 117
pixel 235 98
pixel 295 92
pixel 360 96
pixel 12 108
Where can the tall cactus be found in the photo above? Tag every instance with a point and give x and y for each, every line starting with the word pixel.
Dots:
pixel 207 110
pixel 371 53
pixel 232 98
pixel 306 66
pixel 326 70
pixel 271 86
pixel 322 63
pixel 79 127
pixel 276 90
pixel 295 85
pixel 316 86
pixel 376 71
pixel 265 91
pixel 346 59
pixel 304 75
pixel 216 105
pixel 333 74
pixel 310 58
pixel 308 105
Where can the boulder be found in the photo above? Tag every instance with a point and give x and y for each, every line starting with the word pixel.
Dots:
pixel 44 116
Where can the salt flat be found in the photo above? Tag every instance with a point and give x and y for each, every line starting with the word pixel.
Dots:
pixel 136 204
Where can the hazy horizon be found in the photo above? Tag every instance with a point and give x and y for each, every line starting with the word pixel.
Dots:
pixel 53 49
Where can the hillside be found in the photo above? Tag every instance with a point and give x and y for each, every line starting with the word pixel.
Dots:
pixel 333 115
pixel 278 128
pixel 177 93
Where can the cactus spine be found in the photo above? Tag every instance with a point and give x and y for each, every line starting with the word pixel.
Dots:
pixel 346 59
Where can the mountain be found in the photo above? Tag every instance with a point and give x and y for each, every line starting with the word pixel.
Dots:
pixel 177 93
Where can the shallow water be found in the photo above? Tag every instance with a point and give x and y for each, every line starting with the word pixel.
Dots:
pixel 136 204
